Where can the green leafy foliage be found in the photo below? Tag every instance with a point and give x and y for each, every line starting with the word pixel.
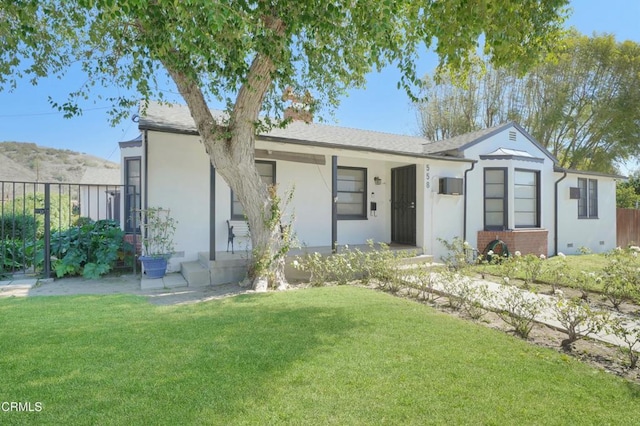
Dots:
pixel 520 310
pixel 248 53
pixel 91 249
pixel 578 319
pixel 18 226
pixel 62 213
pixel 16 255
pixel 628 193
pixel 582 102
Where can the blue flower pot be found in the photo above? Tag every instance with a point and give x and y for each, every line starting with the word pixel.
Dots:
pixel 154 267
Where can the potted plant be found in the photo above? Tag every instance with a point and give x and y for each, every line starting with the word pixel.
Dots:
pixel 158 229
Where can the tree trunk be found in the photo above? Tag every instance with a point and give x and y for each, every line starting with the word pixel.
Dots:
pixel 232 152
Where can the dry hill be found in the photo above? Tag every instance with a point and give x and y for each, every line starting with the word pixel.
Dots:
pixel 29 162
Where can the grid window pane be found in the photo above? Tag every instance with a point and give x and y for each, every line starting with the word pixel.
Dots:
pixel 582 201
pixel 588 201
pixel 352 184
pixel 495 198
pixel 593 198
pixel 526 190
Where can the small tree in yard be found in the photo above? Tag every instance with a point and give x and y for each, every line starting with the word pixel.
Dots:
pixel 520 310
pixel 246 53
pixel 621 276
pixel 578 320
pixel 630 335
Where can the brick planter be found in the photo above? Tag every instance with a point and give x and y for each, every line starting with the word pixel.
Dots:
pixel 525 241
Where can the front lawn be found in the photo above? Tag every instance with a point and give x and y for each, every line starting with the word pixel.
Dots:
pixel 332 355
pixel 574 266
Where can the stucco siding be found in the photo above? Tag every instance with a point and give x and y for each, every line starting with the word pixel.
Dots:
pixel 178 179
pixel 443 214
pixel 596 234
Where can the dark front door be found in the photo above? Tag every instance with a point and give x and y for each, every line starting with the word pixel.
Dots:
pixel 403 205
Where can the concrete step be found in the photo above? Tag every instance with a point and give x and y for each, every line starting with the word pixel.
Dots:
pixel 416 260
pixel 228 271
pixel 195 274
pixel 172 280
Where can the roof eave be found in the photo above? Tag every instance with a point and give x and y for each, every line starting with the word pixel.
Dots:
pixel 559 169
pixel 362 149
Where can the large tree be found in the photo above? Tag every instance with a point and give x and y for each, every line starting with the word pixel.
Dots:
pixel 248 52
pixel 582 102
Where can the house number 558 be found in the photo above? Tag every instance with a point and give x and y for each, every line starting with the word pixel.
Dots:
pixel 427 175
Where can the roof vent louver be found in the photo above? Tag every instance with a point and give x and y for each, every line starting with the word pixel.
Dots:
pixel 512 135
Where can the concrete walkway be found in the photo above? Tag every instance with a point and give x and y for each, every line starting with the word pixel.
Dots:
pixel 125 284
pixel 547 316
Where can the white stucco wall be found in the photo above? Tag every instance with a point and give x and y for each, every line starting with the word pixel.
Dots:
pixel 443 214
pixel 475 217
pixel 178 179
pixel 598 235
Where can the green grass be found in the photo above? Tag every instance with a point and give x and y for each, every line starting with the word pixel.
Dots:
pixel 576 264
pixel 333 355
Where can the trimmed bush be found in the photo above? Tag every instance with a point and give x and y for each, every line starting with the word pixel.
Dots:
pixel 17 226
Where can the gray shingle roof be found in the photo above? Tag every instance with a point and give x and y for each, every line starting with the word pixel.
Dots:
pixel 459 143
pixel 177 119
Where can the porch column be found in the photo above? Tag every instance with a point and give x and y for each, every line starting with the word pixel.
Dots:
pixel 334 203
pixel 212 212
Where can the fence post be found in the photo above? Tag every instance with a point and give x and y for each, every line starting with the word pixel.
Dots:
pixel 47 231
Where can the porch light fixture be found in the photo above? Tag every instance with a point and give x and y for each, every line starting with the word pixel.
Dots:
pixel 377 180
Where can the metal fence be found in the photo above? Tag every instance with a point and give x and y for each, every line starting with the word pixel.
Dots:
pixel 40 222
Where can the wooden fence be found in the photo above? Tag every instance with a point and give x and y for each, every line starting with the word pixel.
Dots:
pixel 628 227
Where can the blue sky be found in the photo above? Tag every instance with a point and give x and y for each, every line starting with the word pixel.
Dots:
pixel 25 114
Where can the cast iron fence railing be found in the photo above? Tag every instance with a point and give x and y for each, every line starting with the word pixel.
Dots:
pixel 34 214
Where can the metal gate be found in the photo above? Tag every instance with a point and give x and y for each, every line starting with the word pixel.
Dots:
pixel 39 222
pixel 403 205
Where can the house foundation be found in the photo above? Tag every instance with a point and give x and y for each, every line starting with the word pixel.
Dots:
pixel 526 241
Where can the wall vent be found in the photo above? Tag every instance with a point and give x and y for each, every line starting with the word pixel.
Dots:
pixel 569 245
pixel 601 243
pixel 512 135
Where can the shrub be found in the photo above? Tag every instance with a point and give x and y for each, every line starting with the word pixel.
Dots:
pixel 520 310
pixel 630 335
pixel 556 272
pixel 621 276
pixel 16 255
pixel 474 298
pixel 18 226
pixel 425 280
pixel 460 253
pixel 578 320
pixel 60 213
pixel 532 267
pixel 91 249
pixel 378 264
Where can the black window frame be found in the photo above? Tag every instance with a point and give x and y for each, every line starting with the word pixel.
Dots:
pixel 587 203
pixel 137 202
pixel 504 198
pixel 236 216
pixel 363 214
pixel 536 173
